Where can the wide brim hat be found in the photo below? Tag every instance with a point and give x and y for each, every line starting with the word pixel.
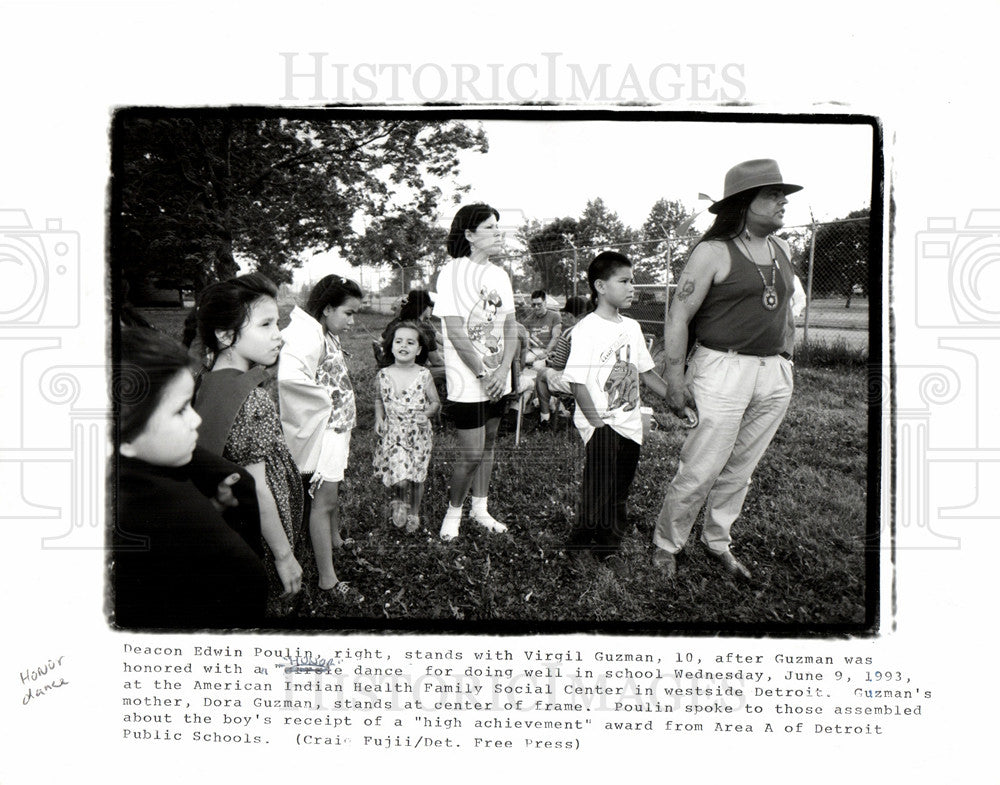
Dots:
pixel 750 175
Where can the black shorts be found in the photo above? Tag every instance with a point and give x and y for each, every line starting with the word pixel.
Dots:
pixel 467 416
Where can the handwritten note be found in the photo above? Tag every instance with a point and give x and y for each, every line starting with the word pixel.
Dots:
pixel 41 680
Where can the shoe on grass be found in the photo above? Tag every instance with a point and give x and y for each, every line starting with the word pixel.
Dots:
pixel 400 510
pixel 666 563
pixel 732 565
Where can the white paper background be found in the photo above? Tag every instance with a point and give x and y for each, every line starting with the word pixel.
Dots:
pixel 928 71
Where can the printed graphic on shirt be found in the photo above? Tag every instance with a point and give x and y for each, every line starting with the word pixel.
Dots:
pixel 484 329
pixel 622 384
pixel 332 375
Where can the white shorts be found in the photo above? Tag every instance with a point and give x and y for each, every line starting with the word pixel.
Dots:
pixel 333 455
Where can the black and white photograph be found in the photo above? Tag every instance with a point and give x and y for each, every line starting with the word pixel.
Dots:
pixel 408 437
pixel 435 391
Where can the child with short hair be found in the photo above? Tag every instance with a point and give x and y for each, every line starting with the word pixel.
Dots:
pixel 318 411
pixel 607 358
pixel 176 561
pixel 405 400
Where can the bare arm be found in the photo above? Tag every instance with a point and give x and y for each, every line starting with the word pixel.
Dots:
pixel 496 380
pixel 509 341
pixel 274 535
pixel 586 405
pixel 433 402
pixel 379 408
pixel 654 382
pixel 463 344
pixel 556 332
pixel 694 283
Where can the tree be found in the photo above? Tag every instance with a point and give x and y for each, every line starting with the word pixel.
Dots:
pixel 666 235
pixel 798 244
pixel 550 252
pixel 407 241
pixel 840 261
pixel 197 190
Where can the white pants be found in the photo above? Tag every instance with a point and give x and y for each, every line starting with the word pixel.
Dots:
pixel 741 402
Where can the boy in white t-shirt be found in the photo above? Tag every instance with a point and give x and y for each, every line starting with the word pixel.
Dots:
pixel 606 361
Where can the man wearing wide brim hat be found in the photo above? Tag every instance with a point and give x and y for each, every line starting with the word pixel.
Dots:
pixel 733 299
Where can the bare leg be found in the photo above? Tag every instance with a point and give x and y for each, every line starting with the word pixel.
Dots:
pixel 467 464
pixel 542 390
pixel 400 503
pixel 416 497
pixel 324 531
pixel 481 479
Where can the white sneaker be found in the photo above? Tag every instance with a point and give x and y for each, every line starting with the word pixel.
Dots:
pixel 487 521
pixel 451 523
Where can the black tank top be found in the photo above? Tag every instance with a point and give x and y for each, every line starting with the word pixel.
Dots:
pixel 732 316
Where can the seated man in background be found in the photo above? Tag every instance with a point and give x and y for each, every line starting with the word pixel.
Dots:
pixel 544 327
pixel 549 378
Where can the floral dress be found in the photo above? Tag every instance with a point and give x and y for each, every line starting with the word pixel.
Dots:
pixel 404 451
pixel 256 437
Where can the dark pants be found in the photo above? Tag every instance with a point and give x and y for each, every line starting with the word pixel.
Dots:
pixel 607 477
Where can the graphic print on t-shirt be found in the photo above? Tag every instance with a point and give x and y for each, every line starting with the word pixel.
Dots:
pixel 622 384
pixel 484 329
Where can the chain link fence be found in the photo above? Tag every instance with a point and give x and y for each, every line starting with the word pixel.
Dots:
pixel 830 258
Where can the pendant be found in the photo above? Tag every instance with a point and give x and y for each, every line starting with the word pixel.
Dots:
pixel 770 298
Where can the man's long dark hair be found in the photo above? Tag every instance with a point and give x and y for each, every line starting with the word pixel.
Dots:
pixel 732 218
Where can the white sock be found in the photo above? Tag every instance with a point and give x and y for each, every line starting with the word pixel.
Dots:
pixel 478 503
pixel 451 523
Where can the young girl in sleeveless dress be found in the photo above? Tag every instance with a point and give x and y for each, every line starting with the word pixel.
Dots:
pixel 405 400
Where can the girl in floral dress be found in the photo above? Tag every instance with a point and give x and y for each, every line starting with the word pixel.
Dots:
pixel 405 400
pixel 238 327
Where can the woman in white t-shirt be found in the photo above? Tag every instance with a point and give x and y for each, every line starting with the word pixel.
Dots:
pixel 475 303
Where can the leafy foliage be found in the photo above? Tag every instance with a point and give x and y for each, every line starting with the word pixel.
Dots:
pixel 666 237
pixel 550 249
pixel 406 240
pixel 551 246
pixel 198 190
pixel 841 257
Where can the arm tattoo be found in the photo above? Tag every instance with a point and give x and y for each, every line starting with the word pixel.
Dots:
pixel 686 290
pixel 675 360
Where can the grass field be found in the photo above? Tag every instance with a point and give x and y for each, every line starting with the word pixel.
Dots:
pixel 802 531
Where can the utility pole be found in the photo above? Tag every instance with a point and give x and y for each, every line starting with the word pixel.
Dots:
pixel 576 261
